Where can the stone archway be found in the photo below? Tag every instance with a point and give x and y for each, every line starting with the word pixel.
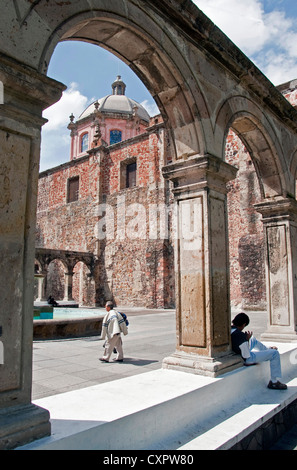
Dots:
pixel 83 285
pixel 257 133
pixel 67 260
pixel 278 209
pixel 151 59
pixel 190 68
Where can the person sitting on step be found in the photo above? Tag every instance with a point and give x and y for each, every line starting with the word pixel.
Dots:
pixel 253 351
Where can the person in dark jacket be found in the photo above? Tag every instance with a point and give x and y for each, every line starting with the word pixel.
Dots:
pixel 253 351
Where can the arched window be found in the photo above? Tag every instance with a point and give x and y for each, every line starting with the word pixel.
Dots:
pixel 84 143
pixel 115 136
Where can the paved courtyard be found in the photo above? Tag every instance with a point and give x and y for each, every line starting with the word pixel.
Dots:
pixel 63 365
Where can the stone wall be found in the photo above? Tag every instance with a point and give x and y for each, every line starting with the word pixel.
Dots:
pixel 134 260
pixel 246 237
pixel 62 225
pixel 246 243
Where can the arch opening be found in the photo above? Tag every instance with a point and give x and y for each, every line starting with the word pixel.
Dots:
pixel 245 230
pixel 263 154
pixel 249 122
pixel 76 225
pixel 149 51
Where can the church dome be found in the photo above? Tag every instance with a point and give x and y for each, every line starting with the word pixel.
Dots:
pixel 117 103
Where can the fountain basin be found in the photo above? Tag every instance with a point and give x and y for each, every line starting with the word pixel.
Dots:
pixel 68 323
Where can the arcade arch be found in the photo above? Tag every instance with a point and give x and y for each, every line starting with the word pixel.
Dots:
pixel 55 279
pixel 57 270
pixel 83 287
pixel 254 129
pixel 182 104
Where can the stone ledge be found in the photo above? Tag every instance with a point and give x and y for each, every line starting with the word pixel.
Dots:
pixel 254 427
pixel 167 409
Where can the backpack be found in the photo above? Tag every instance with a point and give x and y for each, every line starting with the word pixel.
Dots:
pixel 124 317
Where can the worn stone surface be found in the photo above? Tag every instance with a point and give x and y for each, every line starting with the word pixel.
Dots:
pixel 269 435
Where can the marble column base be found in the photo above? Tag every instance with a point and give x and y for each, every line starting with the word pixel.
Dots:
pixel 22 424
pixel 202 365
pixel 279 336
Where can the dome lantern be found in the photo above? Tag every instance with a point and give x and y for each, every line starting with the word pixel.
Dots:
pixel 118 86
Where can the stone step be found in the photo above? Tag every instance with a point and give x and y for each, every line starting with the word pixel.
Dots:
pixel 167 409
pixel 245 422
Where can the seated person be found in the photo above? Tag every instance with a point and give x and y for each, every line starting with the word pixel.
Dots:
pixel 252 351
pixel 51 301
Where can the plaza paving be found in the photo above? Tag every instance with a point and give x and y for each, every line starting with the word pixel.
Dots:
pixel 63 365
pixel 70 364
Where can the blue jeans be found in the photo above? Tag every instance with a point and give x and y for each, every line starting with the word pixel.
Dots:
pixel 260 353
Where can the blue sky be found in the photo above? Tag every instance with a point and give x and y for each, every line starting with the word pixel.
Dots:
pixel 265 30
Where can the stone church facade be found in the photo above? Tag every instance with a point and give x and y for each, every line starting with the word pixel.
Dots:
pixel 116 205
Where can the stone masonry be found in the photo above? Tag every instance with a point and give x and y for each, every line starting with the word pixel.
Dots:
pixel 140 271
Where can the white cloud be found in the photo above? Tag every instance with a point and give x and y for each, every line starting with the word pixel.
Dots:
pixel 289 43
pixel 242 22
pixel 55 137
pixel 55 149
pixel 151 107
pixel 278 67
pixel 72 101
pixel 269 39
pixel 246 23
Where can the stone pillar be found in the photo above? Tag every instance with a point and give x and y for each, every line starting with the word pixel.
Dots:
pixel 202 267
pixel 68 286
pixel 280 229
pixel 41 286
pixel 26 94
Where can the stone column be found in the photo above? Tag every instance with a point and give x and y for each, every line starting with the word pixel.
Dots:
pixel 26 94
pixel 202 267
pixel 280 229
pixel 41 286
pixel 68 286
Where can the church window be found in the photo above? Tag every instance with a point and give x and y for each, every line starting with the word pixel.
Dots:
pixel 115 136
pixel 84 143
pixel 131 175
pixel 73 189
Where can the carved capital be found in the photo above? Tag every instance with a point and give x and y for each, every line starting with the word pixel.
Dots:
pixel 278 209
pixel 26 91
pixel 199 172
